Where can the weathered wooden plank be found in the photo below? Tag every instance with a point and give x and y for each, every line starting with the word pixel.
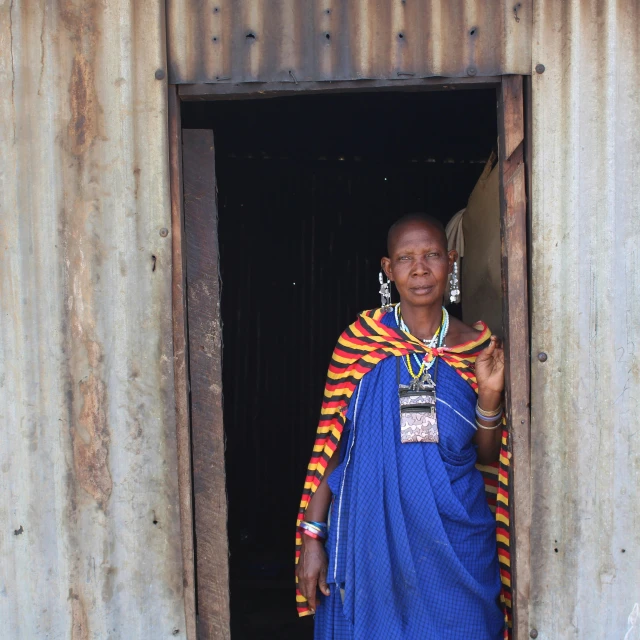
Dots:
pixel 180 368
pixel 228 91
pixel 512 105
pixel 205 363
pixel 513 207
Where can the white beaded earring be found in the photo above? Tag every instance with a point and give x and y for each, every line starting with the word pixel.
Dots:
pixel 454 285
pixel 385 292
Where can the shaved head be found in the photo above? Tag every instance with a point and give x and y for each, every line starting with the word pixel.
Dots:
pixel 415 218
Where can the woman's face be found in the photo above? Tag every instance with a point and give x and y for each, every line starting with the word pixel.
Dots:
pixel 419 264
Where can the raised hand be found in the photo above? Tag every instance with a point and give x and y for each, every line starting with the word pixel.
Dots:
pixel 490 369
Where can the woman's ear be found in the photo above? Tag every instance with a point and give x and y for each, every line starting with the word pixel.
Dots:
pixel 385 263
pixel 453 256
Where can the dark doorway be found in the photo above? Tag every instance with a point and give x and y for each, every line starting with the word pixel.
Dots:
pixel 307 187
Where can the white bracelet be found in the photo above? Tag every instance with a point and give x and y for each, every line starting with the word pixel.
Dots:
pixel 481 426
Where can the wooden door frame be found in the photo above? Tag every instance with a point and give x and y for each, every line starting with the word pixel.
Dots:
pixel 514 233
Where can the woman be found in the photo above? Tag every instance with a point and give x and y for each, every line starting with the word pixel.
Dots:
pixel 410 542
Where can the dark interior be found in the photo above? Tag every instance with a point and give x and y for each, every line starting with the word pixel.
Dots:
pixel 308 186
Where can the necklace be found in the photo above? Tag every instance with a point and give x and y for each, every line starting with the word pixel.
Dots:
pixel 418 419
pixel 436 341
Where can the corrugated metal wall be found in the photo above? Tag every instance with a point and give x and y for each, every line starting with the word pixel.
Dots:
pixel 88 481
pixel 294 41
pixel 586 318
pixel 90 540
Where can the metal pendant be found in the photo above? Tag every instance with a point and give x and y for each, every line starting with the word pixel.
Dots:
pixel 418 419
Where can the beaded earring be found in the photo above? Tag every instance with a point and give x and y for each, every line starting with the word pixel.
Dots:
pixel 385 292
pixel 454 285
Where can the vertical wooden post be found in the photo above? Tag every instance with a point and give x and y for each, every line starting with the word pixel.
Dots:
pixel 205 363
pixel 180 366
pixel 513 209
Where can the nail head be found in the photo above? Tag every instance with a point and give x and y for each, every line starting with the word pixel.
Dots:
pixel 471 71
pixel 159 74
pixel 542 356
pixel 533 633
pixel 164 232
pixel 539 68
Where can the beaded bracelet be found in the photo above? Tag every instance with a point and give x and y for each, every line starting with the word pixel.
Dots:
pixel 311 534
pixel 319 525
pixel 495 418
pixel 316 530
pixel 481 426
pixel 488 414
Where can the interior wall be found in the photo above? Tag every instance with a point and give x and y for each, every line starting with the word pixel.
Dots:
pixel 481 293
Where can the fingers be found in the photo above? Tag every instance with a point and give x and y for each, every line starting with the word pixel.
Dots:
pixel 307 585
pixel 310 595
pixel 312 575
pixel 495 344
pixel 322 582
pixel 489 349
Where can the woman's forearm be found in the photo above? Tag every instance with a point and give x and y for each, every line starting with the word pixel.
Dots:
pixel 318 508
pixel 488 440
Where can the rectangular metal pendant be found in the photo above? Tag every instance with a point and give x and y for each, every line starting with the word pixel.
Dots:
pixel 418 420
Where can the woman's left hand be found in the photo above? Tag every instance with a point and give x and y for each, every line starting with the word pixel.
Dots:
pixel 490 368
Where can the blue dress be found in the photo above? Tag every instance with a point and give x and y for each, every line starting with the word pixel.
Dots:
pixel 412 542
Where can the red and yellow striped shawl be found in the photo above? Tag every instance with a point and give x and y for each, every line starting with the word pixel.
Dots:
pixel 360 348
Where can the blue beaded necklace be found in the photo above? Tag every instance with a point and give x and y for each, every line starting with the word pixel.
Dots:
pixel 435 342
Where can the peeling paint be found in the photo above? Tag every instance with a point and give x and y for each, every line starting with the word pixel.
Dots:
pixel 79 622
pixel 634 624
pixel 91 442
pixel 83 126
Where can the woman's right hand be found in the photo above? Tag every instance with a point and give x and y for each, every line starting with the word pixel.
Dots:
pixel 312 570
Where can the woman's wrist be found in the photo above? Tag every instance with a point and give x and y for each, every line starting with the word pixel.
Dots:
pixel 489 400
pixel 312 543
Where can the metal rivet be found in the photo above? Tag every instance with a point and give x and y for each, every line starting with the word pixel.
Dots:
pixel 533 633
pixel 542 356
pixel 471 71
pixel 539 68
pixel 164 232
pixel 159 74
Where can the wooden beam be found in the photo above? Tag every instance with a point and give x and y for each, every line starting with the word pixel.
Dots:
pixel 205 363
pixel 513 209
pixel 230 91
pixel 180 366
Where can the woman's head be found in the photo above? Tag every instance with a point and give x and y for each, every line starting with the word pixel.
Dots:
pixel 418 261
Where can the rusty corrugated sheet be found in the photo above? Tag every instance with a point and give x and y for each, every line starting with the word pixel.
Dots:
pixel 90 542
pixel 295 41
pixel 586 318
